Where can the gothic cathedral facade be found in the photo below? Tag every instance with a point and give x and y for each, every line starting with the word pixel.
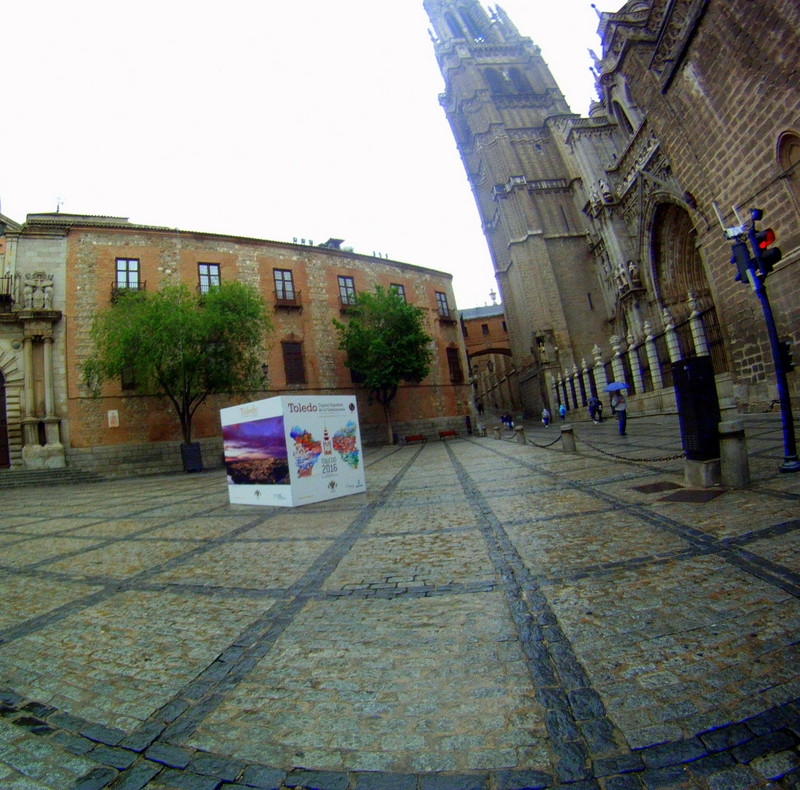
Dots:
pixel 602 230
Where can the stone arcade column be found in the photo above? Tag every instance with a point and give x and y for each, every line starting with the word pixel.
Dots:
pixel 600 380
pixel 652 357
pixel 616 360
pixel 698 330
pixel 636 370
pixel 671 336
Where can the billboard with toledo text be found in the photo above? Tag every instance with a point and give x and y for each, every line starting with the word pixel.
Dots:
pixel 293 450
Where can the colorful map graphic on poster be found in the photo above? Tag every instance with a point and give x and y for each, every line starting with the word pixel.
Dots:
pixel 308 449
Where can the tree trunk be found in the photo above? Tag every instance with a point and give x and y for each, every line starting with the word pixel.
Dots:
pixel 388 415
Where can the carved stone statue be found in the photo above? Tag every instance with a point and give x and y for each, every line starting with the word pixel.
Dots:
pixel 37 291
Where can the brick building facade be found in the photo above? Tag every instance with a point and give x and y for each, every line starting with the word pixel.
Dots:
pixel 59 270
pixel 491 366
pixel 603 232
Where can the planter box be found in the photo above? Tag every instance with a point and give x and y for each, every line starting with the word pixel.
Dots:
pixel 292 450
pixel 192 457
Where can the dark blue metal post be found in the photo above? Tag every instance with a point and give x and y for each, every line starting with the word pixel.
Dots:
pixel 790 460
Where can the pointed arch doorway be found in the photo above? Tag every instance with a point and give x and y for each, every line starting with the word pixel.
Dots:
pixel 5 455
pixel 678 269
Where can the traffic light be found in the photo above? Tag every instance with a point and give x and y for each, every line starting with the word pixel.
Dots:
pixel 765 255
pixel 785 355
pixel 741 257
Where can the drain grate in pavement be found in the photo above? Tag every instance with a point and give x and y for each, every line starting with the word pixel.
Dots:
pixel 656 488
pixel 688 495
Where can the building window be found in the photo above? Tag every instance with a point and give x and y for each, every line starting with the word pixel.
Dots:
pixel 208 274
pixel 293 363
pixel 400 290
pixel 128 273
pixel 485 329
pixel 128 378
pixel 347 291
pixel 454 364
pixel 356 377
pixel 505 328
pixel 441 304
pixel 284 285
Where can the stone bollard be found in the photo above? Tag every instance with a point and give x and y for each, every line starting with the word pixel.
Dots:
pixel 734 463
pixel 519 434
pixel 567 439
pixel 496 431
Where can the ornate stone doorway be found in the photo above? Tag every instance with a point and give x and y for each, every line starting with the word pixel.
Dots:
pixel 5 455
pixel 676 260
pixel 679 275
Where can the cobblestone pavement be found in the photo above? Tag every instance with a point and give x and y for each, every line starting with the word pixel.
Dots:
pixel 490 615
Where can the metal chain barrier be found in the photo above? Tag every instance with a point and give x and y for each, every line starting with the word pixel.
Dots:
pixel 513 438
pixel 543 446
pixel 625 458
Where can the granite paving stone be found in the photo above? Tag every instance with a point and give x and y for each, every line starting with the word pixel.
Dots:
pixel 488 614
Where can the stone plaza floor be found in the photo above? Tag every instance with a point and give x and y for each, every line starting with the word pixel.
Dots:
pixel 490 615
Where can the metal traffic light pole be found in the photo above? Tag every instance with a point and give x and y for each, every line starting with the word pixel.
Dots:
pixel 754 270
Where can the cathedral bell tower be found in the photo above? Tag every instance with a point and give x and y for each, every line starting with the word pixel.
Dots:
pixel 509 119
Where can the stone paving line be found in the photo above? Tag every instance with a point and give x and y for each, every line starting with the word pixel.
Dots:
pixel 489 615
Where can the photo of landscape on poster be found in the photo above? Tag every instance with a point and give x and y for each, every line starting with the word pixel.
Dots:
pixel 292 450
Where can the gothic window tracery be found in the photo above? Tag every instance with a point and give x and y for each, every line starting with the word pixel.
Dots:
pixel 498 84
pixel 622 119
pixel 474 28
pixel 453 25
pixel 519 81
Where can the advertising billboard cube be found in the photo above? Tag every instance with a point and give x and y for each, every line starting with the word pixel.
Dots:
pixel 293 450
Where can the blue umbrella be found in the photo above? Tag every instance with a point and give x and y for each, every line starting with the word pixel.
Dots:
pixel 616 385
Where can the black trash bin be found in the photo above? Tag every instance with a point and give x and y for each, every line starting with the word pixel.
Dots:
pixel 698 407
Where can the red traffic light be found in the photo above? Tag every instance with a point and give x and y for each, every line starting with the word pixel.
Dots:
pixel 761 241
pixel 765 238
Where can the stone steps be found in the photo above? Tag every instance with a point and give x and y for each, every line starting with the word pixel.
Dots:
pixel 17 478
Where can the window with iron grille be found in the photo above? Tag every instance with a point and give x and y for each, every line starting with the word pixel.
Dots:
pixel 441 304
pixel 284 284
pixel 347 291
pixel 128 273
pixel 454 364
pixel 208 274
pixel 293 363
pixel 400 290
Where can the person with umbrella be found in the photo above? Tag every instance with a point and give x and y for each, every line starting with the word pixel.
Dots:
pixel 619 404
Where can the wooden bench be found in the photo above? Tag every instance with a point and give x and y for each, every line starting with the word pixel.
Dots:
pixel 451 434
pixel 415 437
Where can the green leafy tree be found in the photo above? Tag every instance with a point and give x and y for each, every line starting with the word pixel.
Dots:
pixel 386 343
pixel 182 345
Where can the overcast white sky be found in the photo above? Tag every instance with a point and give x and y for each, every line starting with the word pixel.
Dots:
pixel 298 118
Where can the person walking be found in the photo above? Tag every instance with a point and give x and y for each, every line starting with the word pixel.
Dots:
pixel 545 417
pixel 620 407
pixel 562 411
